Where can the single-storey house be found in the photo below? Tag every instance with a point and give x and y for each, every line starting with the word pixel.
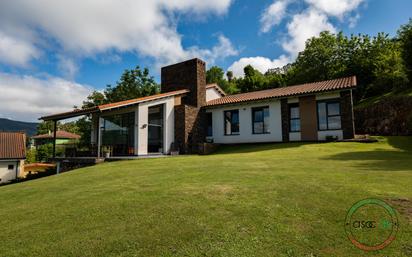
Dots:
pixel 12 155
pixel 188 112
pixel 62 138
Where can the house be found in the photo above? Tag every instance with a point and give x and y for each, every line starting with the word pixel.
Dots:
pixel 188 112
pixel 12 155
pixel 62 138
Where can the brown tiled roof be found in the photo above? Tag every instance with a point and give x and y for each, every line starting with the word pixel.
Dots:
pixel 304 89
pixel 104 107
pixel 61 134
pixel 216 86
pixel 12 145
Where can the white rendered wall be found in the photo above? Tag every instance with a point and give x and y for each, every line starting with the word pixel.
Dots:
pixel 294 136
pixel 335 133
pixel 143 115
pixel 212 93
pixel 245 123
pixel 168 129
pixel 6 174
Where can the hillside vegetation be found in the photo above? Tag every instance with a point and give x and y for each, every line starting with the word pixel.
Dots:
pixel 18 126
pixel 256 200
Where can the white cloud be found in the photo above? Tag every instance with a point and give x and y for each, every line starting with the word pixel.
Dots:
pixel 89 27
pixel 67 66
pixel 223 49
pixel 273 15
pixel 27 97
pixel 262 64
pixel 353 20
pixel 337 8
pixel 16 52
pixel 304 26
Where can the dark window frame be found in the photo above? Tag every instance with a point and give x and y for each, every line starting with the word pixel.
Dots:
pixel 209 124
pixel 10 165
pixel 261 108
pixel 231 116
pixel 290 106
pixel 327 102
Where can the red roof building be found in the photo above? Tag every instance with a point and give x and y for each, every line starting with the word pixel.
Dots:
pixel 12 155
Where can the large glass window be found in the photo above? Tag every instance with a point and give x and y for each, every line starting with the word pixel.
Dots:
pixel 231 122
pixel 294 114
pixel 329 116
pixel 209 124
pixel 260 120
pixel 118 134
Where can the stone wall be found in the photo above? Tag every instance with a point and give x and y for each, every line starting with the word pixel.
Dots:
pixel 190 75
pixel 346 108
pixel 285 120
pixel 189 118
pixel 391 116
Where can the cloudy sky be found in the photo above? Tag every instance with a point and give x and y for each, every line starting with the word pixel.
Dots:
pixel 54 53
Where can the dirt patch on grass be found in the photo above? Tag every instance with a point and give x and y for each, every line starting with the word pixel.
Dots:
pixel 403 206
pixel 212 191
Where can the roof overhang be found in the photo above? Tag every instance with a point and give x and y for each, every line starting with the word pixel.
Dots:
pixel 217 88
pixel 111 106
pixel 321 87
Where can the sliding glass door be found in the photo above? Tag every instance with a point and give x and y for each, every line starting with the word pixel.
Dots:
pixel 155 129
pixel 118 134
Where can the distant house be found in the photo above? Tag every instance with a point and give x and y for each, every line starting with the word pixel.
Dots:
pixel 12 155
pixel 62 138
pixel 188 112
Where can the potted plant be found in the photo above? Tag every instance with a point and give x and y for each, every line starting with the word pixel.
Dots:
pixel 106 152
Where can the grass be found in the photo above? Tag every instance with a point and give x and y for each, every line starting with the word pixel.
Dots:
pixel 257 200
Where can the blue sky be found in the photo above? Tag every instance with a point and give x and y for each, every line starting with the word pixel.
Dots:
pixel 53 54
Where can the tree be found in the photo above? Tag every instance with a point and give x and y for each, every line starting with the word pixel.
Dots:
pixel 215 75
pixel 84 126
pixel 96 98
pixel 229 76
pixel 254 80
pixel 375 61
pixel 46 127
pixel 133 83
pixel 44 152
pixel 69 127
pixel 405 38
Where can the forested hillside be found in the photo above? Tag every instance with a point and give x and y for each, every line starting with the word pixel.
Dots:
pixel 12 125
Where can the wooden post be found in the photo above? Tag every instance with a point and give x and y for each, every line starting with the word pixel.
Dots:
pixel 99 137
pixel 54 138
pixel 57 167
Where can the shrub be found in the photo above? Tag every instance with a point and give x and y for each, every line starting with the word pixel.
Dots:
pixel 409 124
pixel 31 155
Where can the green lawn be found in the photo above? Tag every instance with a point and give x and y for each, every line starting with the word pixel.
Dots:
pixel 259 200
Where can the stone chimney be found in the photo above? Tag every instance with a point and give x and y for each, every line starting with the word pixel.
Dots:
pixel 190 75
pixel 189 117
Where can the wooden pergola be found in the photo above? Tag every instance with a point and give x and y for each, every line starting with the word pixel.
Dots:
pixel 67 115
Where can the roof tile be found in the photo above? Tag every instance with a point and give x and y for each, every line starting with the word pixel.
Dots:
pixel 309 88
pixel 12 145
pixel 59 134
